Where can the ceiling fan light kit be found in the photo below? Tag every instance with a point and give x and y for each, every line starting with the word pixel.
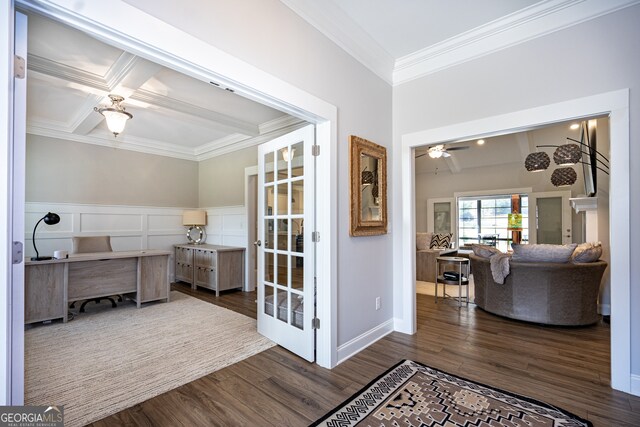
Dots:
pixel 115 115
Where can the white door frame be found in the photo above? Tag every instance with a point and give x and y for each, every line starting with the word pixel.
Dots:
pixel 126 27
pixel 616 104
pixel 250 207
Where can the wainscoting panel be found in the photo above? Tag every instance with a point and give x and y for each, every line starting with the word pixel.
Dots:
pixel 108 222
pixel 130 227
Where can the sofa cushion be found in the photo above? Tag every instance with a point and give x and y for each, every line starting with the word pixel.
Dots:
pixel 423 241
pixel 542 253
pixel 484 251
pixel 587 252
pixel 440 240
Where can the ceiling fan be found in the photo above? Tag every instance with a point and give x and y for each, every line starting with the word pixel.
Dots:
pixel 437 151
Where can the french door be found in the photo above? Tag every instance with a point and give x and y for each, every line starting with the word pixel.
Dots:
pixel 285 251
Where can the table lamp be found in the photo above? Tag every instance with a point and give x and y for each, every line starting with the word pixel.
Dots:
pixel 195 219
pixel 50 219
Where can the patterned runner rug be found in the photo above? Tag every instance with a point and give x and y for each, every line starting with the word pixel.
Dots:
pixel 413 394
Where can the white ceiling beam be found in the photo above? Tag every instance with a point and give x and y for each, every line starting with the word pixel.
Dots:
pixel 86 119
pixel 64 72
pixel 127 74
pixel 524 143
pixel 217 120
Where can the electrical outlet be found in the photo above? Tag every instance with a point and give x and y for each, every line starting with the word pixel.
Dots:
pixel 377 303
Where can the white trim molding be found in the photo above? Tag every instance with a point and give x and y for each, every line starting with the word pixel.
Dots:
pixel 531 22
pixel 635 385
pixel 616 105
pixel 364 340
pixel 328 18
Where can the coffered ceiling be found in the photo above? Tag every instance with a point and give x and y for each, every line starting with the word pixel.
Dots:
pixel 70 73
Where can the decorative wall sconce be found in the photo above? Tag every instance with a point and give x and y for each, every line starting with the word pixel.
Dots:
pixel 287 155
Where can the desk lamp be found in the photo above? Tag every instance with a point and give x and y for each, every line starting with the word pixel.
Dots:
pixel 195 219
pixel 50 219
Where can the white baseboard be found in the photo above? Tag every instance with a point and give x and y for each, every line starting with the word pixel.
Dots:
pixel 604 309
pixel 359 343
pixel 635 384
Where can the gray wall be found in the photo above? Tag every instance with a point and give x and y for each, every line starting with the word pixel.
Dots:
pixel 71 172
pixel 269 36
pixel 597 56
pixel 221 178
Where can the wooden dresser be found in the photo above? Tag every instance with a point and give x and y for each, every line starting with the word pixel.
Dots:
pixel 210 266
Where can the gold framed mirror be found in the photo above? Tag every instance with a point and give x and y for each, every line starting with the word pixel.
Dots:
pixel 368 187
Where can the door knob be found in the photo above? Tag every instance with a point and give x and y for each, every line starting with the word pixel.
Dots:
pixel 257 243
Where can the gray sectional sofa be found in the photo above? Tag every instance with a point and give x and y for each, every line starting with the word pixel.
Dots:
pixel 541 292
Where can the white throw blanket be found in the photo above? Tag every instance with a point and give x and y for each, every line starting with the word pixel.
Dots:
pixel 499 267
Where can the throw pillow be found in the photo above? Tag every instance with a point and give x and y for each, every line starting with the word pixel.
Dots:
pixel 440 240
pixel 543 253
pixel 423 241
pixel 484 251
pixel 587 252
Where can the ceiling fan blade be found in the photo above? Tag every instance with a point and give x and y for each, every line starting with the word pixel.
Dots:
pixel 445 154
pixel 420 155
pixel 457 148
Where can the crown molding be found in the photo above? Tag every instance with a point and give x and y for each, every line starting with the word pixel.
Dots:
pixel 250 142
pixel 215 148
pixel 537 20
pixel 335 24
pixel 529 23
pixel 125 142
pixel 279 123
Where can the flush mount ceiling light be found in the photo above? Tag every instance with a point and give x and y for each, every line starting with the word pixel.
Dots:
pixel 567 155
pixel 480 142
pixel 115 114
pixel 537 162
pixel 574 126
pixel 563 177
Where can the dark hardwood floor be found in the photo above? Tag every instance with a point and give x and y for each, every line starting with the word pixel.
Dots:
pixel 565 367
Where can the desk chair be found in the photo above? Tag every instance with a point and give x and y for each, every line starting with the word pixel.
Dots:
pixel 89 245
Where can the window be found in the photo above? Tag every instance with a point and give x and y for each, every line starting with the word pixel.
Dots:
pixel 484 219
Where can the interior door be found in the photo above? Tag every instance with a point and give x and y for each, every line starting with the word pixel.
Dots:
pixel 286 254
pixel 551 219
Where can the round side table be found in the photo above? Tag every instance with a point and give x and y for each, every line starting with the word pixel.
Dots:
pixel 462 268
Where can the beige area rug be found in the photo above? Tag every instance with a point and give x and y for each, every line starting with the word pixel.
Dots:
pixel 428 288
pixel 112 359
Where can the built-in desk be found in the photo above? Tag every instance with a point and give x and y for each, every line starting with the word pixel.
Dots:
pixel 52 284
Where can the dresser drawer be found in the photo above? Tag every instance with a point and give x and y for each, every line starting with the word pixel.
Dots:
pixel 206 277
pixel 184 255
pixel 184 272
pixel 205 258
